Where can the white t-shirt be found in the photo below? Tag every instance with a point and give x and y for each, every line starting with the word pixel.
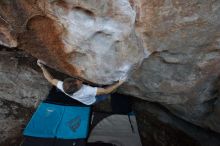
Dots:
pixel 86 94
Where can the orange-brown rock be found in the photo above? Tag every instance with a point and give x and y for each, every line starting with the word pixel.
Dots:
pixel 94 40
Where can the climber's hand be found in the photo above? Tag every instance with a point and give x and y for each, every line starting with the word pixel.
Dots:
pixel 122 79
pixel 39 63
pixel 109 89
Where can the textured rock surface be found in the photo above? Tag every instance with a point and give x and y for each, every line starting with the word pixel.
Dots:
pixel 20 83
pixel 21 89
pixel 92 39
pixel 160 127
pixel 103 40
pixel 13 118
pixel 182 71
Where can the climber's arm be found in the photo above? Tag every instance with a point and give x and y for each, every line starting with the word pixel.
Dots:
pixel 47 75
pixel 109 89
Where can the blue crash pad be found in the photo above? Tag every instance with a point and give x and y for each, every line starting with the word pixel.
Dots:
pixel 58 121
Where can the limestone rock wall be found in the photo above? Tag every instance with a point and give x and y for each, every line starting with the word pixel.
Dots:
pixel 168 48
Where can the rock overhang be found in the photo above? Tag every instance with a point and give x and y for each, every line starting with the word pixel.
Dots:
pixel 95 40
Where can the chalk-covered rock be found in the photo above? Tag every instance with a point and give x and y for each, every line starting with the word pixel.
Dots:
pixel 95 40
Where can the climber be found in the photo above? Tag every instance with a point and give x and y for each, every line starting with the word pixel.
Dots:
pixel 75 89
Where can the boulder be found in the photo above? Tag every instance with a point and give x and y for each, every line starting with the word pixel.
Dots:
pixel 168 48
pixel 182 71
pixel 19 82
pixel 21 89
pixel 95 40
